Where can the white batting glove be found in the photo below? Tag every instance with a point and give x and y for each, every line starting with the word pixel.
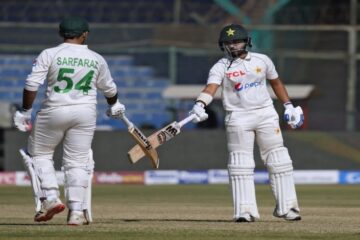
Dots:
pixel 199 111
pixel 116 110
pixel 22 120
pixel 293 116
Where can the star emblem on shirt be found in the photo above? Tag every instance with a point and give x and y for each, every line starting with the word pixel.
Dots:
pixel 258 70
pixel 230 32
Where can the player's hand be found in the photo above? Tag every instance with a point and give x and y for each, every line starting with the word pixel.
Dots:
pixel 199 111
pixel 22 120
pixel 293 116
pixel 116 110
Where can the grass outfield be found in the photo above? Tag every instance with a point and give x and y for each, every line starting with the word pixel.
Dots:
pixel 186 212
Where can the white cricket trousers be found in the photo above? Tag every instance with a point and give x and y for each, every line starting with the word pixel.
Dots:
pixel 74 125
pixel 242 127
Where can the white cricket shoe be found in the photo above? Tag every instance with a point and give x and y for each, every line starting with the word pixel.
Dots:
pixel 292 215
pixel 246 217
pixel 48 209
pixel 76 218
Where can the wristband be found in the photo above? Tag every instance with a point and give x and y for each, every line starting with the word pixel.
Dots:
pixel 288 105
pixel 205 98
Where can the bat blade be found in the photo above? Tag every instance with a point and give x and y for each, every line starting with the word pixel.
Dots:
pixel 156 139
pixel 145 146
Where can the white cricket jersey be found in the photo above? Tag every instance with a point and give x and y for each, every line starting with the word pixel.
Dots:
pixel 73 73
pixel 244 81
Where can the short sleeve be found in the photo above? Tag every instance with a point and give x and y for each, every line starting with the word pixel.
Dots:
pixel 217 73
pixel 271 72
pixel 39 71
pixel 105 82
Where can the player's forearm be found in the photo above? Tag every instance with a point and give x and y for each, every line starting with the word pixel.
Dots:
pixel 28 99
pixel 211 89
pixel 280 90
pixel 207 94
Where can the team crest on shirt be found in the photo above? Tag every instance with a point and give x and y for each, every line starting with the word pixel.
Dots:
pixel 258 70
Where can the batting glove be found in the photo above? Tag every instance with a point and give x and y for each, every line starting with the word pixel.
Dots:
pixel 22 120
pixel 293 116
pixel 116 110
pixel 199 111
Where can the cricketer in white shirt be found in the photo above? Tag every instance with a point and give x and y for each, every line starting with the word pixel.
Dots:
pixel 250 115
pixel 73 74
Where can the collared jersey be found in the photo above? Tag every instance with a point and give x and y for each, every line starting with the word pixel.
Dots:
pixel 73 73
pixel 243 81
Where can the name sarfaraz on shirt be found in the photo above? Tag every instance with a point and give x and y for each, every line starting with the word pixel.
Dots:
pixel 77 62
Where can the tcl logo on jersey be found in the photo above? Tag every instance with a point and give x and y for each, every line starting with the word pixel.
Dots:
pixel 235 74
pixel 238 87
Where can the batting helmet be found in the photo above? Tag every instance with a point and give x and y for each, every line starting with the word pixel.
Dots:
pixel 231 34
pixel 71 27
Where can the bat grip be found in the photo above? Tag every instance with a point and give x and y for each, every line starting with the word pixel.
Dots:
pixel 127 121
pixel 186 120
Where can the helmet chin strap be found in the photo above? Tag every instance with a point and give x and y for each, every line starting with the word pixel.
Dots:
pixel 234 54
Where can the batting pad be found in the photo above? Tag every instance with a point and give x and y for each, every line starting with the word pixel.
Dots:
pixel 241 173
pixel 35 181
pixel 88 193
pixel 280 168
pixel 76 183
pixel 44 169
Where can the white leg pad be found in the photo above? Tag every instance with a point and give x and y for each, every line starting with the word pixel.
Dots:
pixel 35 181
pixel 241 173
pixel 44 169
pixel 87 199
pixel 76 183
pixel 280 169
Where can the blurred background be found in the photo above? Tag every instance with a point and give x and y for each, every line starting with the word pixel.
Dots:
pixel 160 51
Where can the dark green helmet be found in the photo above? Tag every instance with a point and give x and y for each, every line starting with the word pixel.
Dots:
pixel 73 27
pixel 234 33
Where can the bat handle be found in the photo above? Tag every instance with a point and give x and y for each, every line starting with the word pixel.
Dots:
pixel 186 120
pixel 126 121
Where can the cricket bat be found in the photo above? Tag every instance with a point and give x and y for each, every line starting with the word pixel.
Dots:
pixel 142 141
pixel 158 138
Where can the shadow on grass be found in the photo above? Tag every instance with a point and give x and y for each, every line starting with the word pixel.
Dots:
pixel 31 224
pixel 173 220
pixel 261 221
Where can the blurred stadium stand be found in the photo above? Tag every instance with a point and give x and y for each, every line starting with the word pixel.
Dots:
pixel 162 11
pixel 111 11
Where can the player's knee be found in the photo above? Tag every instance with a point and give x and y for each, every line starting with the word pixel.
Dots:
pixel 45 171
pixel 266 149
pixel 241 163
pixel 76 177
pixel 278 161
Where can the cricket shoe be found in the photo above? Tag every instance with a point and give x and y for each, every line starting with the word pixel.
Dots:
pixel 77 218
pixel 245 218
pixel 292 215
pixel 48 209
